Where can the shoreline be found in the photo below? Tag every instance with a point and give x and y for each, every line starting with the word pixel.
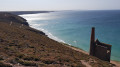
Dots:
pixel 26 42
pixel 117 63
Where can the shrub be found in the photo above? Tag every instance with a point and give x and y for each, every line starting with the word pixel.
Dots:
pixel 26 63
pixel 48 61
pixel 6 48
pixel 20 55
pixel 35 58
pixel 4 65
pixel 1 58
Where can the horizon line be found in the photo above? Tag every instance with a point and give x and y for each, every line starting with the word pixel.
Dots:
pixel 52 10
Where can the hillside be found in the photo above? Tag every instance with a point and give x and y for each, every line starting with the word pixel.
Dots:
pixel 22 46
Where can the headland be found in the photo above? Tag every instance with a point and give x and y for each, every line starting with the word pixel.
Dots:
pixel 21 45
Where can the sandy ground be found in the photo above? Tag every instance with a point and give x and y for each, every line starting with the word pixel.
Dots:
pixel 86 64
pixel 116 63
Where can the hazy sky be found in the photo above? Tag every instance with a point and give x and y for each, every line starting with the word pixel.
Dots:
pixel 13 5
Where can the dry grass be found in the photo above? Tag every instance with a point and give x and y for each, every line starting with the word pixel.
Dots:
pixel 32 48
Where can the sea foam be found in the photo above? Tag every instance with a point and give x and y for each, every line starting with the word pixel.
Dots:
pixel 50 35
pixel 74 27
pixel 31 17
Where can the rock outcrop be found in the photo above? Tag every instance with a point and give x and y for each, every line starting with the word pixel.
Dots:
pixel 8 17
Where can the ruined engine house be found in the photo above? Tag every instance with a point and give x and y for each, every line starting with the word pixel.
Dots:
pixel 98 49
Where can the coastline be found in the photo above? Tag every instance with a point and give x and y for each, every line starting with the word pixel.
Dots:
pixel 68 52
pixel 117 63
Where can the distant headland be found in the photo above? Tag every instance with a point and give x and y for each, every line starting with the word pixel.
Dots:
pixel 26 12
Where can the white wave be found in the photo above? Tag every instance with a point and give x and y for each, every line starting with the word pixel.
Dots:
pixel 50 35
pixel 75 41
pixel 39 16
pixel 37 25
pixel 31 17
pixel 34 15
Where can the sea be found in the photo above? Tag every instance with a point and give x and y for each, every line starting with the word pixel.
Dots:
pixel 74 27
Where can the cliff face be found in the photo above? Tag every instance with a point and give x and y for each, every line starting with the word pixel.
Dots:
pixel 25 46
pixel 16 20
pixel 7 17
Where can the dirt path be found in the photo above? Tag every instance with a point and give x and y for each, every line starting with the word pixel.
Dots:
pixel 85 63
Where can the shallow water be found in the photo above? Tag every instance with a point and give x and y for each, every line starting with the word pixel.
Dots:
pixel 74 27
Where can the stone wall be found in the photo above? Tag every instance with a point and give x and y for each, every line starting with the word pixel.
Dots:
pixel 98 49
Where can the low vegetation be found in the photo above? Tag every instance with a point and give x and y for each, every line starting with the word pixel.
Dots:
pixel 23 46
pixel 5 65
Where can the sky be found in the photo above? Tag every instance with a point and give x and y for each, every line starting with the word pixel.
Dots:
pixel 30 5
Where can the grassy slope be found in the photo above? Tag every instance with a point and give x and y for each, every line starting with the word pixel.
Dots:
pixel 30 48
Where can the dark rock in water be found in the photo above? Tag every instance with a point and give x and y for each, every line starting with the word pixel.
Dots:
pixel 7 17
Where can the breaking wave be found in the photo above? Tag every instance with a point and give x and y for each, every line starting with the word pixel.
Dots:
pixel 50 35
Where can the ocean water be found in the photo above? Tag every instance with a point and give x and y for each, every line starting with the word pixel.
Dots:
pixel 74 27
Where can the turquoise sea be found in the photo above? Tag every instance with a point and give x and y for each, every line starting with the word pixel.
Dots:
pixel 74 27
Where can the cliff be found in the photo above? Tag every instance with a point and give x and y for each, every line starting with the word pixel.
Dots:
pixel 22 46
pixel 8 17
